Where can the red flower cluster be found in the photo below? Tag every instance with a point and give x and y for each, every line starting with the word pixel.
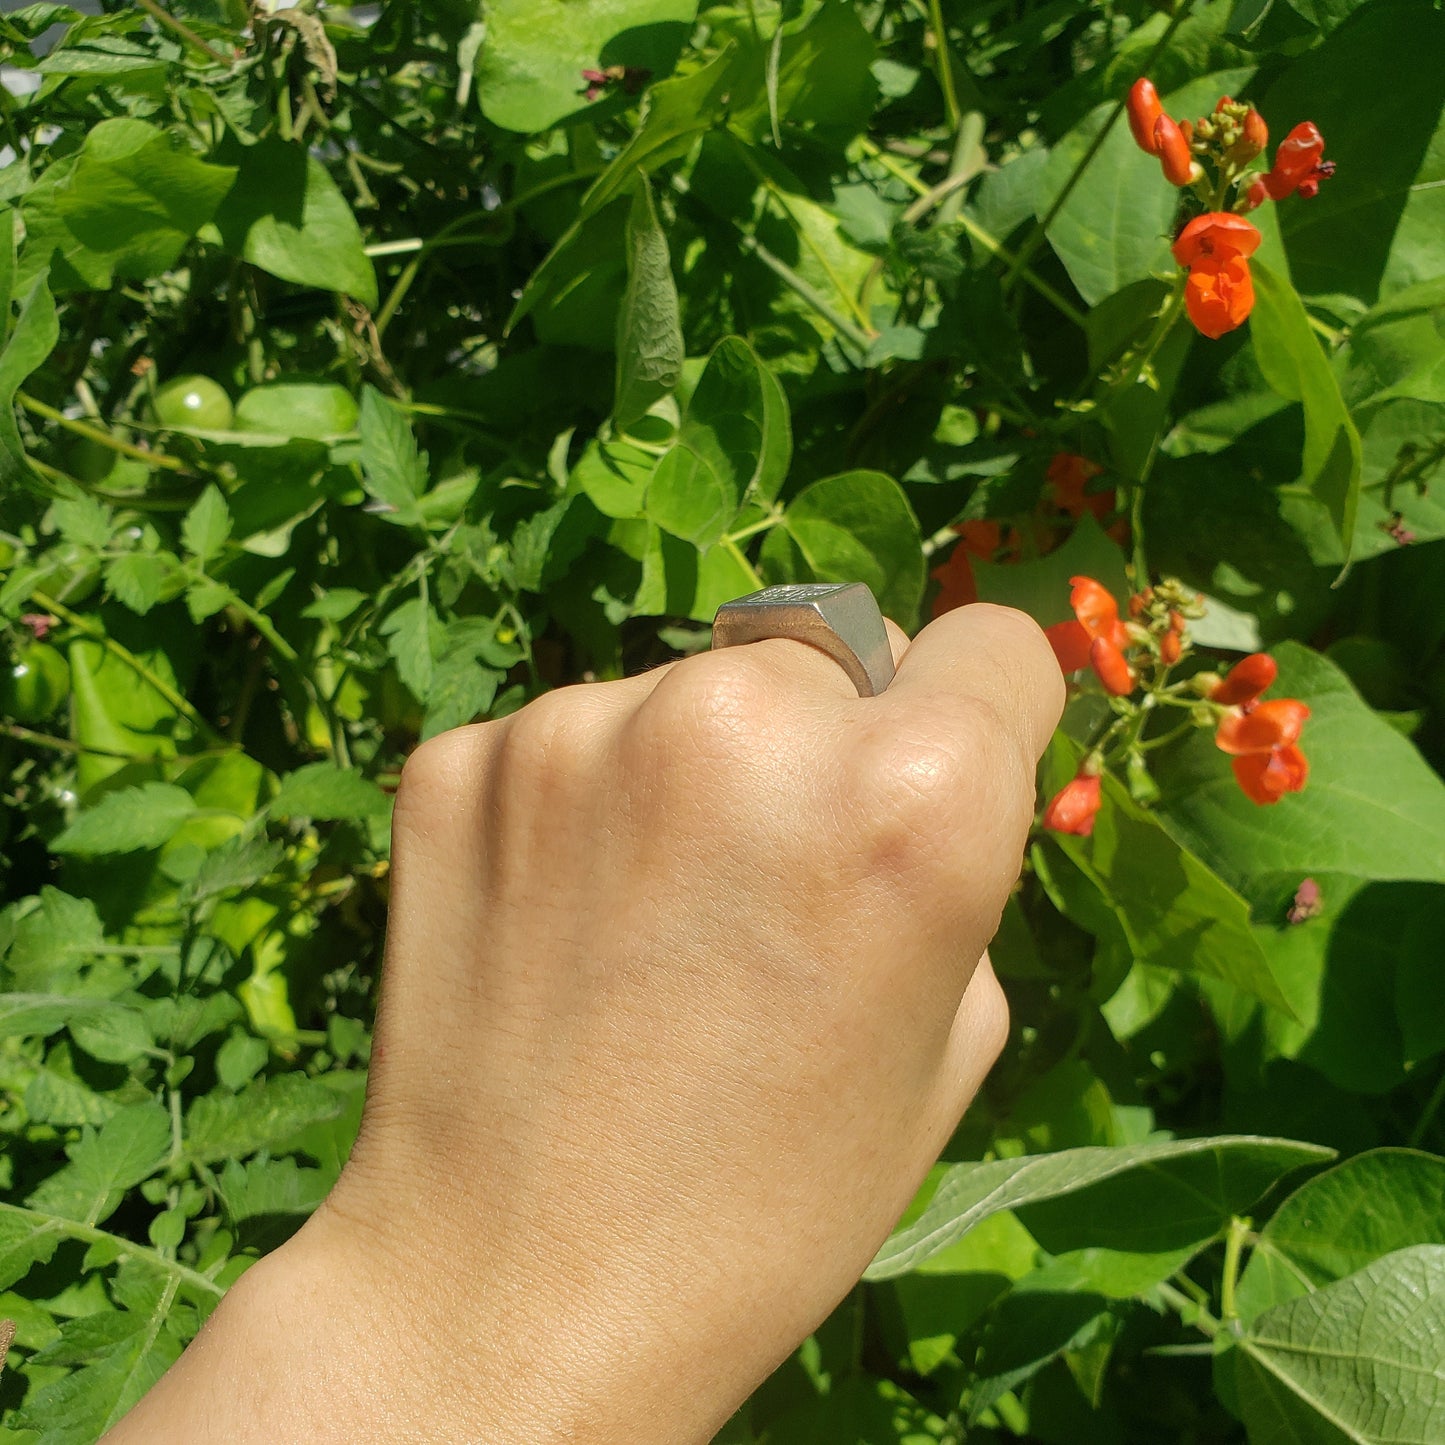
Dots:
pixel 1299 167
pixel 1215 249
pixel 1097 638
pixel 1261 737
pixel 1158 135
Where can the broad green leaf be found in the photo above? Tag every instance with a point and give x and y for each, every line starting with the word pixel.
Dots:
pixel 1295 366
pixel 392 468
pixel 137 195
pixel 1174 912
pixel 1375 226
pixel 1357 1361
pixel 266 1115
pixel 1372 807
pixel 114 710
pixel 1041 588
pixel 32 339
pixel 857 527
pixel 324 791
pixel 1140 1197
pixel 1115 226
pixel 733 440
pixel 128 1148
pixel 649 329
pixel 614 475
pixel 1342 1220
pixel 285 215
pixel 125 821
pixel 206 525
pixel 529 74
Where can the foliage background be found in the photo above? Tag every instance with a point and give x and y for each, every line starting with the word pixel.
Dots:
pixel 528 381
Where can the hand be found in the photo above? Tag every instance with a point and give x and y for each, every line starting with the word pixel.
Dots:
pixel 685 989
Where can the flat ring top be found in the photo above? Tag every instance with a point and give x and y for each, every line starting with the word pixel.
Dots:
pixel 840 618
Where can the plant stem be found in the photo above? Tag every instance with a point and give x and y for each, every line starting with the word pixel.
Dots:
pixel 96 434
pixel 1427 1115
pixel 1233 1246
pixel 808 293
pixel 1036 236
pixel 944 64
pixel 182 30
pixel 65 745
pixel 740 558
pixel 1190 1311
pixel 124 654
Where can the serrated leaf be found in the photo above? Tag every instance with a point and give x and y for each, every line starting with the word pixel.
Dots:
pixel 37 1015
pixel 147 816
pixel 266 1115
pixel 1357 1361
pixel 323 791
pixel 114 1036
pixel 137 579
pixel 268 1199
pixel 240 862
pixel 1145 1198
pixel 392 469
pixel 129 1147
pixel 649 328
pixel 414 637
pixel 52 933
pixel 82 519
pixel 26 1239
pixel 206 525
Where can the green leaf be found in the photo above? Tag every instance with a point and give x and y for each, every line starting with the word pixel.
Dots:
pixel 129 1147
pixel 1357 1361
pixel 530 71
pixel 285 215
pixel 268 1191
pixel 1147 1198
pixel 122 1353
pixel 857 527
pixel 268 1115
pixel 1115 227
pixel 31 340
pixel 147 816
pixel 53 933
pixel 240 862
pixel 1373 808
pixel 37 1015
pixel 734 441
pixel 138 579
pixel 649 329
pixel 1340 1222
pixel 26 1239
pixel 414 637
pixel 1293 364
pixel 393 470
pixel 137 195
pixel 323 791
pixel 206 525
pixel 117 1035
pixel 1174 912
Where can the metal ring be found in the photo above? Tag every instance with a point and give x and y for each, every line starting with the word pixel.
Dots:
pixel 840 618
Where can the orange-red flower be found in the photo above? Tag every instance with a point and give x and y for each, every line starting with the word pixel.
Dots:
pixel 1299 163
pixel 1068 475
pixel 1267 777
pixel 1258 727
pixel 1144 110
pixel 1216 236
pixel 1219 295
pixel 1249 677
pixel 1077 644
pixel 1073 808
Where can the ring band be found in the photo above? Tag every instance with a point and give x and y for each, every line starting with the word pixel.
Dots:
pixel 840 618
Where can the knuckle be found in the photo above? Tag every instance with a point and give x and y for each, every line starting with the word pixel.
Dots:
pixel 710 709
pixel 554 734
pixel 442 771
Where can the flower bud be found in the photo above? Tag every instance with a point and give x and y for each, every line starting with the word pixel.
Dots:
pixel 1254 138
pixel 1169 648
pixel 1111 667
pixel 1144 110
pixel 1173 152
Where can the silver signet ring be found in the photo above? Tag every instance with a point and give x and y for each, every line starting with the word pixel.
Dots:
pixel 840 618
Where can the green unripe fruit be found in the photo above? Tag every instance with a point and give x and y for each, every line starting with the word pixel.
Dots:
pixel 193 401
pixel 318 410
pixel 34 684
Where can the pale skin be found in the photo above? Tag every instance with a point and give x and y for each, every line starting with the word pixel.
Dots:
pixel 686 986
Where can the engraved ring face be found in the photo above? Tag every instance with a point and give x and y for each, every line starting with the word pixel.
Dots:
pixel 840 618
